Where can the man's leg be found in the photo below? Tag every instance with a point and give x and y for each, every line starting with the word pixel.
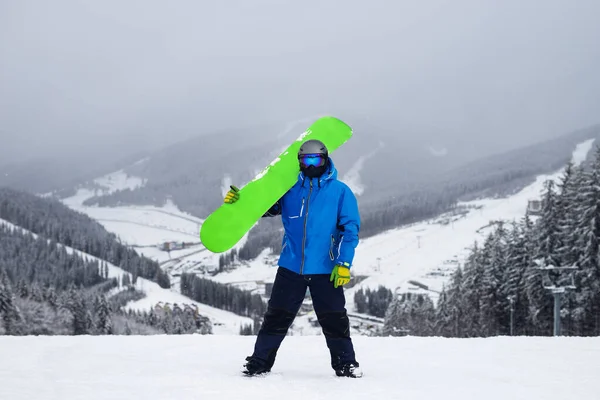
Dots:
pixel 329 303
pixel 288 293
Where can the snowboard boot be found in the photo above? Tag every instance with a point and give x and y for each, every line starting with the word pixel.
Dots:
pixel 350 370
pixel 255 366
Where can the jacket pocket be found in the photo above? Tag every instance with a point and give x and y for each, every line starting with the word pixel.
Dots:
pixel 301 211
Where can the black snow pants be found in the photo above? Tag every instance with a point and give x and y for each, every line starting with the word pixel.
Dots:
pixel 329 303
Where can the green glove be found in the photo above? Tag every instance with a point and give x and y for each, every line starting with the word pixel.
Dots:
pixel 233 195
pixel 340 275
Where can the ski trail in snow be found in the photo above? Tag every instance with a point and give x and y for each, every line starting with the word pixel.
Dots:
pixel 581 151
pixel 352 177
pixel 119 180
pixel 227 182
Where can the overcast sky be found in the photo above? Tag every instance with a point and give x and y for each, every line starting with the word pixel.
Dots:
pixel 107 74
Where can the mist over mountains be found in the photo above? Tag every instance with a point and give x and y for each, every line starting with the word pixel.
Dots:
pixel 193 172
pixel 398 178
pixel 400 174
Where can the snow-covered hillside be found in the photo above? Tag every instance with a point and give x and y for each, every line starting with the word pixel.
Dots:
pixel 224 322
pixel 429 251
pixel 207 367
pixel 424 253
pixel 147 228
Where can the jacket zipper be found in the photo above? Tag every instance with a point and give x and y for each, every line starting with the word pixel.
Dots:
pixel 305 219
pixel 331 246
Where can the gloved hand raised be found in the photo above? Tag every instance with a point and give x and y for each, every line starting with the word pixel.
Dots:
pixel 232 196
pixel 340 275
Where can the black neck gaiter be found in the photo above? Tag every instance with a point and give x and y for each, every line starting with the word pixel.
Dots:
pixel 314 172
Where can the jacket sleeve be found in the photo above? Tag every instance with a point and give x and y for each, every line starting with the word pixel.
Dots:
pixel 349 224
pixel 274 210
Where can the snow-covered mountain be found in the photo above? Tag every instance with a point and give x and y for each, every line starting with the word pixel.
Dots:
pixel 416 258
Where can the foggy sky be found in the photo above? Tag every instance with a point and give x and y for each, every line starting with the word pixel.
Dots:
pixel 102 75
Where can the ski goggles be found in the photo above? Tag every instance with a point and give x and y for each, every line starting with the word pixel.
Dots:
pixel 316 160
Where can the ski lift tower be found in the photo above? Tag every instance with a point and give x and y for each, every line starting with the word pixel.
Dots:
pixel 551 280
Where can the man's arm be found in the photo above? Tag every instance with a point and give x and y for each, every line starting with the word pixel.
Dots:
pixel 274 210
pixel 349 223
pixel 233 195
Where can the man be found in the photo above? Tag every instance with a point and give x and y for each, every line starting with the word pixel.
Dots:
pixel 321 221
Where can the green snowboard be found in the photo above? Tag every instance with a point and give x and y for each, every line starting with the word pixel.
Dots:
pixel 224 228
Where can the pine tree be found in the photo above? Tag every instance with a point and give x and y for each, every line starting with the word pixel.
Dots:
pixel 80 319
pixel 548 229
pixel 471 303
pixel 546 254
pixel 246 330
pixel 392 325
pixel 449 311
pixel 177 328
pixel 103 319
pixel 572 184
pixel 22 289
pixel 360 301
pixel 125 280
pixel 588 235
pixel 410 313
pixel 441 324
pixel 571 252
pixel 51 297
pixel 423 314
pixel 9 312
pixel 492 318
pixel 512 288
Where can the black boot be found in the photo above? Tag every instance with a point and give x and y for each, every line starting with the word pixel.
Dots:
pixel 255 366
pixel 351 370
pixel 258 366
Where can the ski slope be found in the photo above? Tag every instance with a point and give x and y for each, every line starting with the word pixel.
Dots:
pixel 430 250
pixel 142 226
pixel 224 322
pixel 145 227
pixel 194 367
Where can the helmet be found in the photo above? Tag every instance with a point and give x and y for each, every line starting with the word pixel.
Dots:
pixel 313 146
pixel 313 158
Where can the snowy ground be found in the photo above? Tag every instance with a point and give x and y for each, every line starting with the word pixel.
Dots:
pixel 207 367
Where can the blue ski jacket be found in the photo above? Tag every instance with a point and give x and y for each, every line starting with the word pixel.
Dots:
pixel 321 224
